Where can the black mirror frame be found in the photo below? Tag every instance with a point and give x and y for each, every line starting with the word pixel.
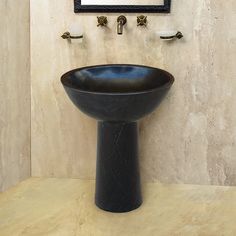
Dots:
pixel 123 8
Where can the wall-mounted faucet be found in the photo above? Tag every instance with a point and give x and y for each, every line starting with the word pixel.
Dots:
pixel 121 21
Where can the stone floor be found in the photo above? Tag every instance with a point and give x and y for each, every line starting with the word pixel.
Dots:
pixel 64 207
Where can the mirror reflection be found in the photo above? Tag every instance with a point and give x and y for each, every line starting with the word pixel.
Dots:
pixel 122 2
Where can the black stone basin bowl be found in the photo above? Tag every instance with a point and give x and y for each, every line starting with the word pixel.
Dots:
pixel 117 96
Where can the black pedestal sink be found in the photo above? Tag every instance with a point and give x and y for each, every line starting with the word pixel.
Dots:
pixel 117 96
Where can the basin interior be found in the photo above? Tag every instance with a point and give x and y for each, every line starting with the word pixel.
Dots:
pixel 116 78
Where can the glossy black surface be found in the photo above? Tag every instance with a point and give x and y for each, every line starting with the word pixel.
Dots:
pixel 117 96
pixel 117 179
pixel 117 92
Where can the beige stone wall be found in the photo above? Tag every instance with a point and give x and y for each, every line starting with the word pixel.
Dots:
pixel 191 138
pixel 14 92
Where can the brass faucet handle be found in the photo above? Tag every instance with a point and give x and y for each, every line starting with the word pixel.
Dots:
pixel 141 20
pixel 102 21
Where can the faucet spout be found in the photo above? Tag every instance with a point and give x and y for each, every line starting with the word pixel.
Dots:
pixel 119 28
pixel 121 21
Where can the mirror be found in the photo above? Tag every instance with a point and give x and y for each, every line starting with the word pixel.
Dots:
pixel 121 2
pixel 155 6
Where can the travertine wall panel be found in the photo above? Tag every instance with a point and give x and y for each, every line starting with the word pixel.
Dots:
pixel 14 92
pixel 189 139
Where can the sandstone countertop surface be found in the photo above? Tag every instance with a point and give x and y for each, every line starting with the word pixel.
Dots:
pixel 64 207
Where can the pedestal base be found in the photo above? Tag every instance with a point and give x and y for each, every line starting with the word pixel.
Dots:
pixel 117 177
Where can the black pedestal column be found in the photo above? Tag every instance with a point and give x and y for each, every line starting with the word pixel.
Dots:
pixel 117 177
